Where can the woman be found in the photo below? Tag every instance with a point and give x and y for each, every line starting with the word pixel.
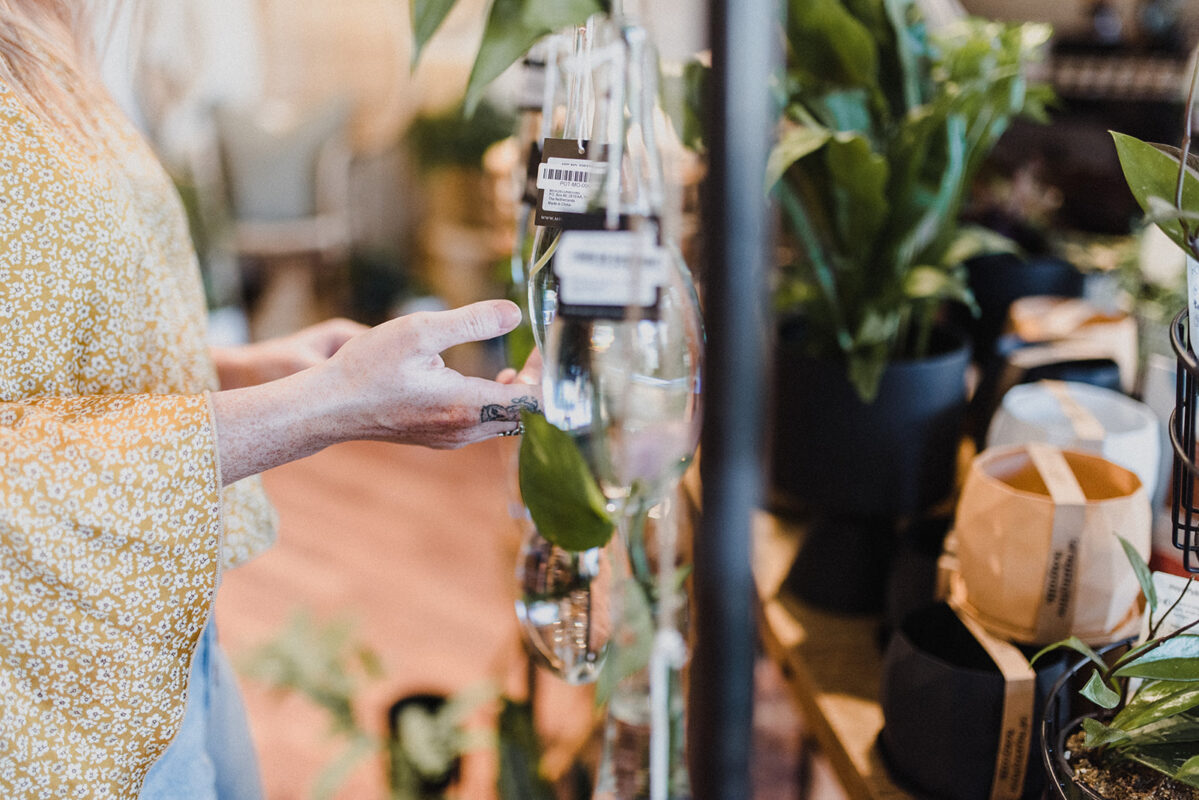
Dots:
pixel 126 478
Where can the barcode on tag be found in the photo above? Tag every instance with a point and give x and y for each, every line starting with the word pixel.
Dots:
pixel 550 174
pixel 609 268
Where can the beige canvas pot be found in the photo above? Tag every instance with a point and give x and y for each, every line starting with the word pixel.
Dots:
pixel 1037 554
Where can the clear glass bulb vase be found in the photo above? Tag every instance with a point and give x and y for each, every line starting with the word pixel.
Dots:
pixel 564 607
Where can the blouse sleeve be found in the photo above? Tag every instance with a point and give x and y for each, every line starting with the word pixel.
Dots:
pixel 110 528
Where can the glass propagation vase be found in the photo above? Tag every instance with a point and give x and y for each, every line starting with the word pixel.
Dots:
pixel 564 607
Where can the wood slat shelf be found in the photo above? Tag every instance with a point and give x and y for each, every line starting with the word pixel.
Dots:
pixel 831 663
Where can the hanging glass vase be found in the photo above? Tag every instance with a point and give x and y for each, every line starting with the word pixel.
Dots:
pixel 564 607
pixel 644 747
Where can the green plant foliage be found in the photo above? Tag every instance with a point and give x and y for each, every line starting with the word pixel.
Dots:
pixel 454 138
pixel 1157 722
pixel 427 16
pixel 520 754
pixel 559 490
pixel 884 125
pixel 512 27
pixel 1151 172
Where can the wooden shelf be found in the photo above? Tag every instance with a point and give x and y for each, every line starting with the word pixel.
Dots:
pixel 831 664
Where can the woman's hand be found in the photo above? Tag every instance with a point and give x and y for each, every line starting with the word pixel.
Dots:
pixel 387 383
pixel 259 362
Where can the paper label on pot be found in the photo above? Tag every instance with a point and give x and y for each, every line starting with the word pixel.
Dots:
pixel 1086 426
pixel 567 180
pixel 1169 589
pixel 609 269
pixel 1019 703
pixel 1055 616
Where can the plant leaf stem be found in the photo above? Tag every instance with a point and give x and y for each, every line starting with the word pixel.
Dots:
pixel 1192 237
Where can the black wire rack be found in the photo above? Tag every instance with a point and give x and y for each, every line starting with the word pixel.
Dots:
pixel 1182 438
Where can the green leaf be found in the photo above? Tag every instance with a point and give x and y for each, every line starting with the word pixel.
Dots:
pixel 1099 734
pixel 1150 172
pixel 427 16
pixel 513 26
pixel 796 142
pixel 827 44
pixel 520 752
pixel 1144 575
pixel 559 490
pixel 934 283
pixel 1189 771
pixel 1175 659
pixel 1078 646
pixel 1099 693
pixel 1155 701
pixel 859 180
pixel 911 49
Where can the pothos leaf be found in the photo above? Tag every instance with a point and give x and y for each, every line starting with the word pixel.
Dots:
pixel 1155 701
pixel 1150 172
pixel 1144 576
pixel 1099 734
pixel 1189 772
pixel 559 490
pixel 1175 659
pixel 1099 693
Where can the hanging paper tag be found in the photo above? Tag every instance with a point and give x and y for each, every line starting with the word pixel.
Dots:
pixel 567 181
pixel 601 273
pixel 1019 702
pixel 1056 614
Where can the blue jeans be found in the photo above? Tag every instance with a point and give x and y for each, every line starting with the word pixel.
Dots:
pixel 212 756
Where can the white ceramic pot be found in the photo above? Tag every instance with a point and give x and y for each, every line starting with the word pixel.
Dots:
pixel 1079 416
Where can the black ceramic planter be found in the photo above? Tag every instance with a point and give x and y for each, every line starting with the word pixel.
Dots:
pixel 857 469
pixel 896 456
pixel 942 700
pixel 997 280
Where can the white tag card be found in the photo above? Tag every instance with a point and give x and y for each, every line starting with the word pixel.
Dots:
pixel 609 269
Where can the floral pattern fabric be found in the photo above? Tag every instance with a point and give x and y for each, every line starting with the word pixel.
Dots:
pixel 113 524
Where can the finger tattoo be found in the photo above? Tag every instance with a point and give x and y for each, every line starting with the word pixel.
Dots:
pixel 494 412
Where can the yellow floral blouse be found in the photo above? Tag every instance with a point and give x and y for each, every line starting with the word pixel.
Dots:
pixel 113 525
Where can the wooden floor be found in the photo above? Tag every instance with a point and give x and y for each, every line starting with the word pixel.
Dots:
pixel 416 548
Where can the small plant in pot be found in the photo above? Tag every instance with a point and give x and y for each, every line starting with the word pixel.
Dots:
pixel 885 122
pixel 1132 730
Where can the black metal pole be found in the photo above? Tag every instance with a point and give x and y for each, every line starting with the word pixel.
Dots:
pixel 738 130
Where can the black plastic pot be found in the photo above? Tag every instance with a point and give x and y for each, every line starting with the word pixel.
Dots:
pixel 999 279
pixel 1064 711
pixel 942 701
pixel 860 470
pixel 895 456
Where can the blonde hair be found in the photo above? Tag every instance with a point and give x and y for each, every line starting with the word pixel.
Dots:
pixel 45 45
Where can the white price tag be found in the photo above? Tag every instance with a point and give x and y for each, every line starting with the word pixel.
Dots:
pixel 609 268
pixel 569 184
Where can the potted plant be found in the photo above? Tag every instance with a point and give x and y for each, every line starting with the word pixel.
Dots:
pixel 885 122
pixel 1131 730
